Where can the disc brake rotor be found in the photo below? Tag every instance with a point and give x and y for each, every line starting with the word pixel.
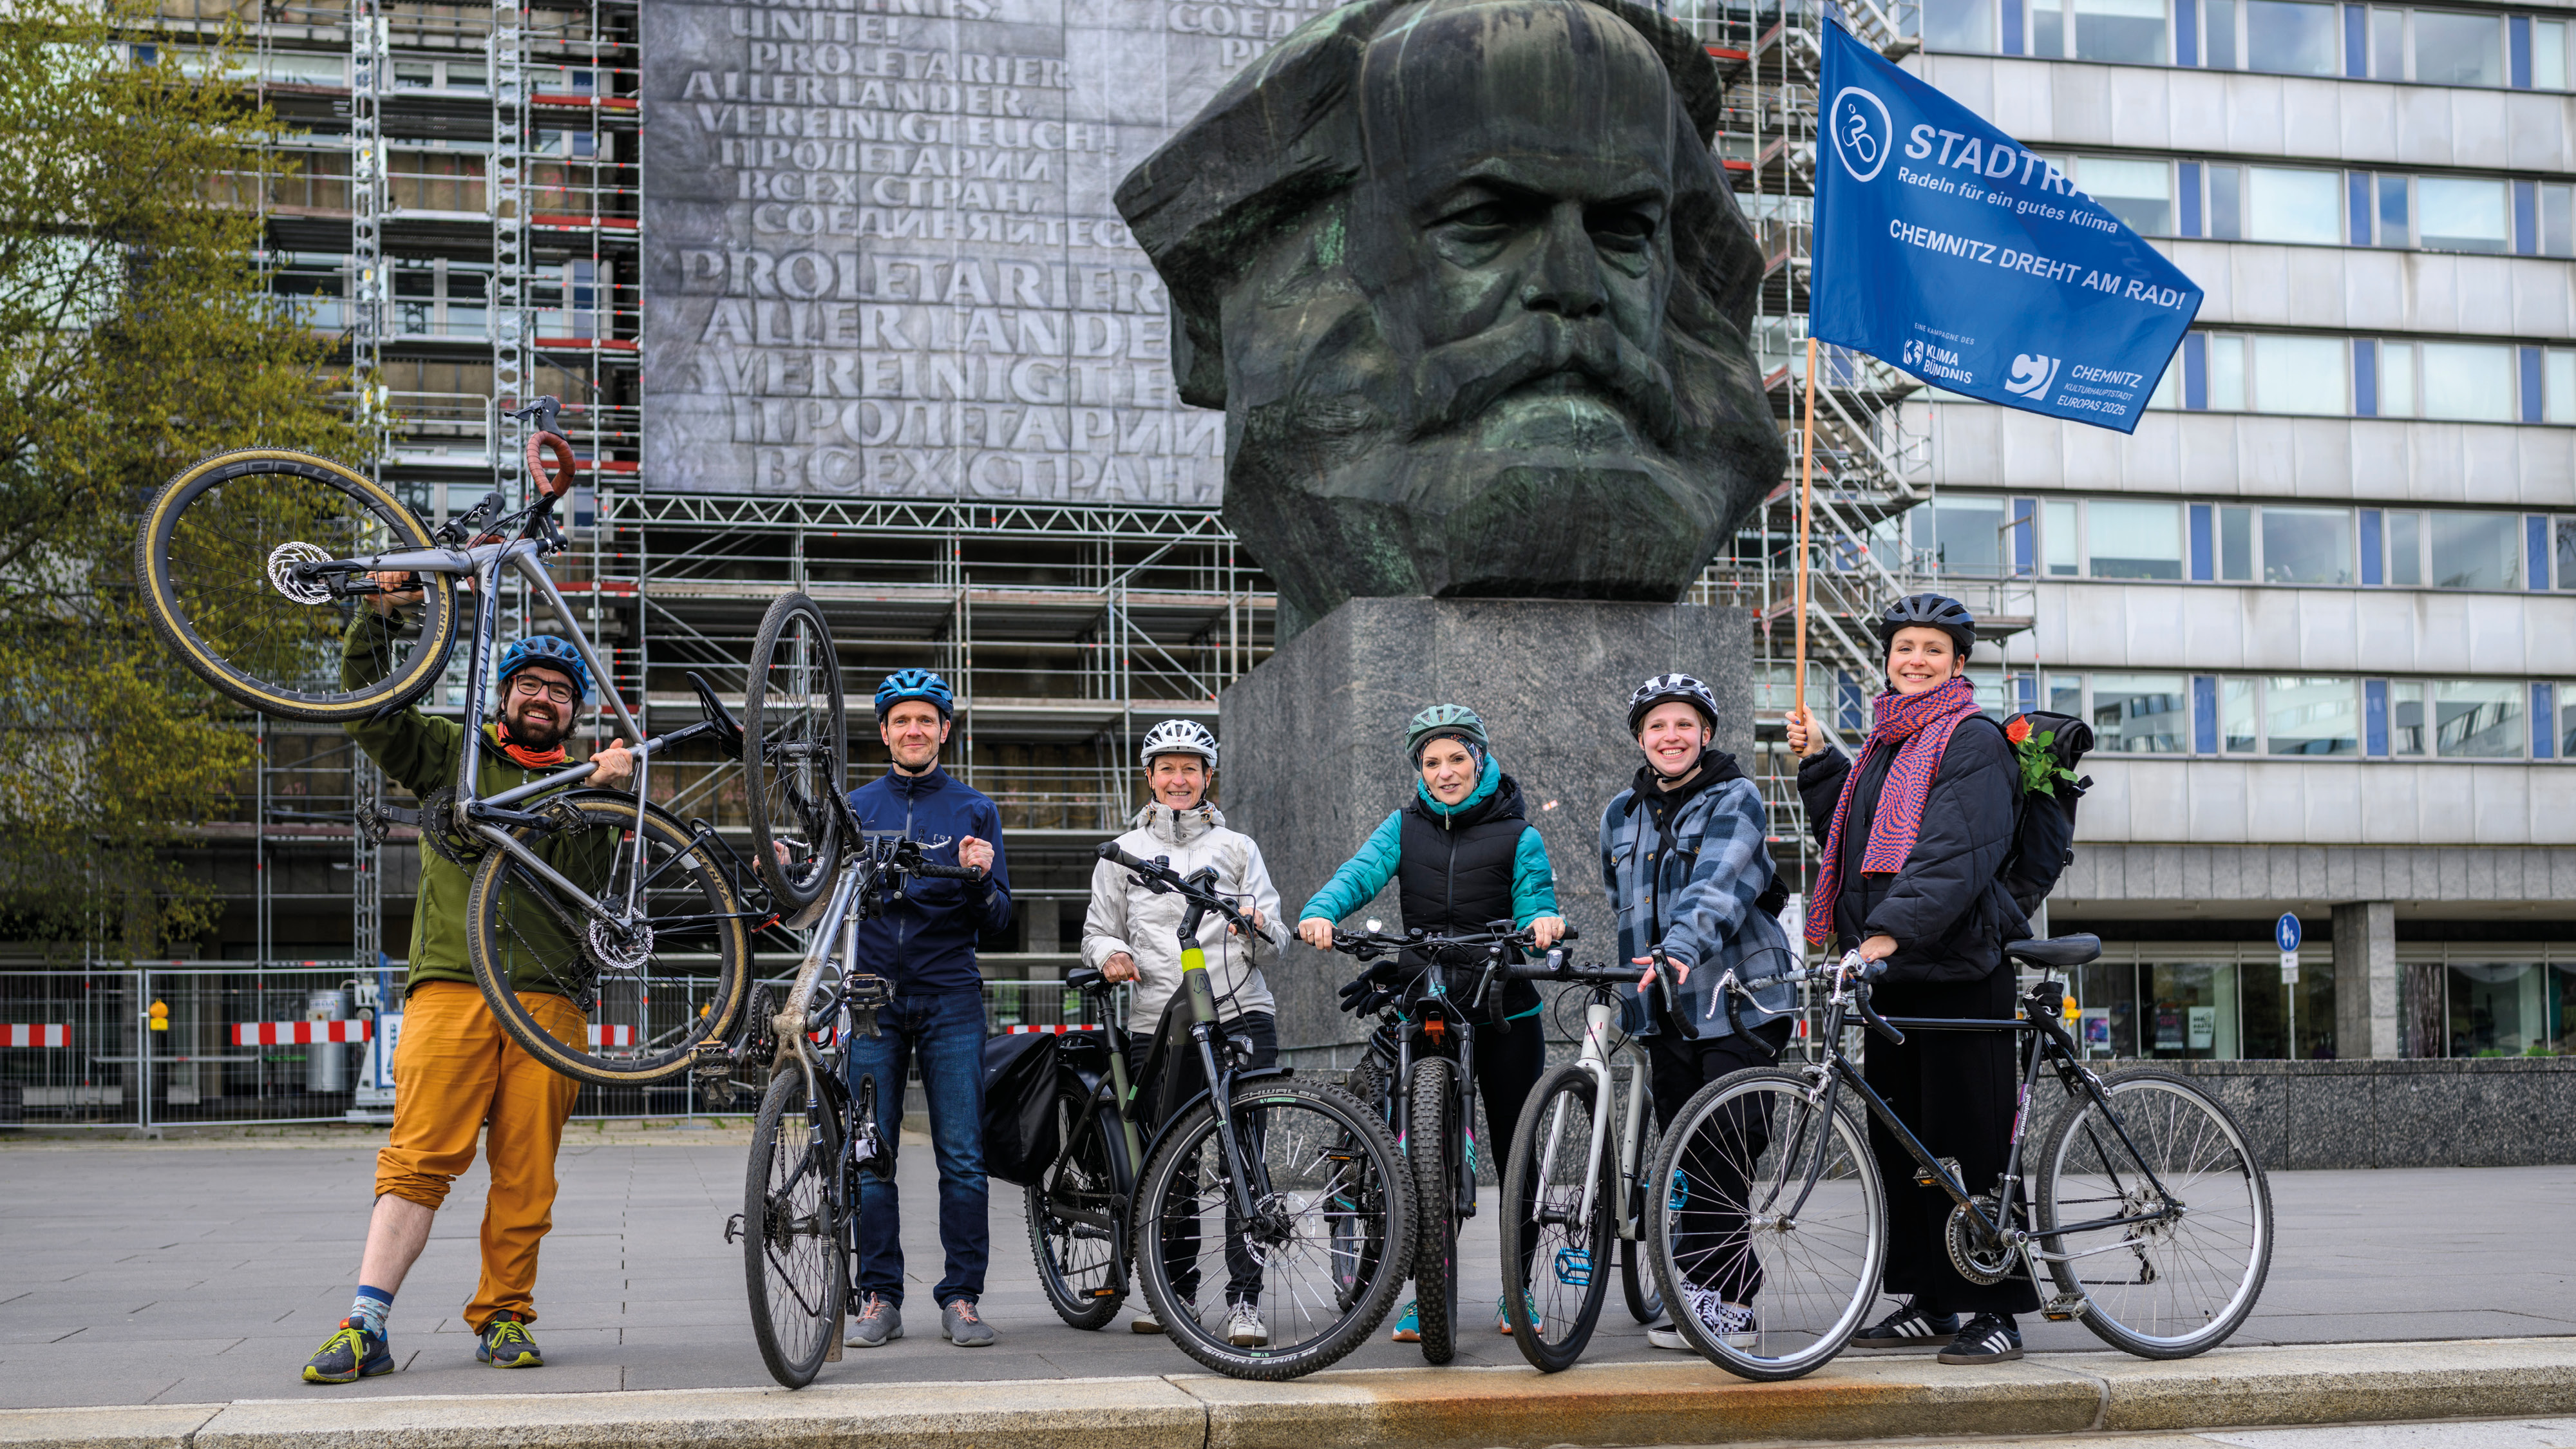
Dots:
pixel 281 572
pixel 620 948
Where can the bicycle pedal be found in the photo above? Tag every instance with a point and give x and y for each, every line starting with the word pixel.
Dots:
pixel 2065 1307
pixel 733 1229
pixel 1949 1165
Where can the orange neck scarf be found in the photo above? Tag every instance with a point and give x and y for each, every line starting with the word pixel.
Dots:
pixel 525 758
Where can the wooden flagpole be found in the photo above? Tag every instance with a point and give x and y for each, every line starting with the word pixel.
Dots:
pixel 1806 508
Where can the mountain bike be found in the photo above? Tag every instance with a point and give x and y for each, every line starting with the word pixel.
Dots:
pixel 257 565
pixel 1419 1076
pixel 1573 1181
pixel 2150 1217
pixel 1296 1201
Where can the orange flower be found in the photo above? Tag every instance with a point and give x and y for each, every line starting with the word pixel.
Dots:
pixel 2019 729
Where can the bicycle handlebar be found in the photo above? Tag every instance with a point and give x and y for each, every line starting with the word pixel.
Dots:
pixel 1161 879
pixel 1553 969
pixel 1861 973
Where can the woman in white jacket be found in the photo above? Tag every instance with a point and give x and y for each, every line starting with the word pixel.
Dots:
pixel 1133 934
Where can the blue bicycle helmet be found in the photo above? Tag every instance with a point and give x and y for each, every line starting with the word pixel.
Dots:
pixel 906 684
pixel 553 653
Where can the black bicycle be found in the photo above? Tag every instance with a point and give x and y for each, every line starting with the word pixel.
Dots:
pixel 2141 1206
pixel 1418 1076
pixel 1270 1239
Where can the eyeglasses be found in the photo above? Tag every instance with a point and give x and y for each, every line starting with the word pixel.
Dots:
pixel 530 685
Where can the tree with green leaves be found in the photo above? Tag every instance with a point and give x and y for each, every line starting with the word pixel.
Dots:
pixel 138 333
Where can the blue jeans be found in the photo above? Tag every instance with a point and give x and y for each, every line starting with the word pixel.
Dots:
pixel 944 1033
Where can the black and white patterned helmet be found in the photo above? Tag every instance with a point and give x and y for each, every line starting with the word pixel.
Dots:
pixel 1663 689
pixel 1178 737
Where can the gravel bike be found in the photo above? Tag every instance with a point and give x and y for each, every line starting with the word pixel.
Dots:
pixel 259 564
pixel 1419 1076
pixel 2141 1205
pixel 1573 1181
pixel 1296 1201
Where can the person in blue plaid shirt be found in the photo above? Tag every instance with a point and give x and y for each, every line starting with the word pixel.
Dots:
pixel 1683 858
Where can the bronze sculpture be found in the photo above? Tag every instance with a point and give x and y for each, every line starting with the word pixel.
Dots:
pixel 1471 287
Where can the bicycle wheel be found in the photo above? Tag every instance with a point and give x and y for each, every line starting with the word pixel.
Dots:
pixel 216 554
pixel 2178 1285
pixel 792 1258
pixel 1766 1201
pixel 795 738
pixel 1560 1201
pixel 1432 1145
pixel 1073 1225
pixel 1636 1271
pixel 1329 1184
pixel 655 982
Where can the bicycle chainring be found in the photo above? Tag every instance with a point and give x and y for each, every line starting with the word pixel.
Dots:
pixel 759 1038
pixel 1977 1257
pixel 438 831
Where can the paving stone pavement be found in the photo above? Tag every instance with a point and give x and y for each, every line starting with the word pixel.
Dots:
pixel 193 1272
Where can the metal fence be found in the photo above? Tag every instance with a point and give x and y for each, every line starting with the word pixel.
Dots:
pixel 204 1043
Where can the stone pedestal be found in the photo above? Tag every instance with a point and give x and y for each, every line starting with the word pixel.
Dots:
pixel 1314 742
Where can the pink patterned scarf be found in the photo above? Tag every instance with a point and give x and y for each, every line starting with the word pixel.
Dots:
pixel 1919 725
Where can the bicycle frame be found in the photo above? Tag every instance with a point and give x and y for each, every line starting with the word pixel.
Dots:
pixel 1594 1059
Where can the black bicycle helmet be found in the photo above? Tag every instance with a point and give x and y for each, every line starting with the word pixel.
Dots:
pixel 1929 611
pixel 1666 688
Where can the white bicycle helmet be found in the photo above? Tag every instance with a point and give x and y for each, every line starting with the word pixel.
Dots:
pixel 1178 737
pixel 1665 688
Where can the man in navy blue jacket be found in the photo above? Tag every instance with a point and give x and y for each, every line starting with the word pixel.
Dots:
pixel 924 945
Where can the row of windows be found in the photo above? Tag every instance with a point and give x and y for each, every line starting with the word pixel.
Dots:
pixel 2124 538
pixel 2368 377
pixel 2312 716
pixel 2280 37
pixel 2225 201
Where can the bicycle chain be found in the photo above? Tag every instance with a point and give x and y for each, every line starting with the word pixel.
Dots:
pixel 438 831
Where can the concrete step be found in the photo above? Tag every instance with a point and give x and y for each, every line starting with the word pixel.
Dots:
pixel 1458 1408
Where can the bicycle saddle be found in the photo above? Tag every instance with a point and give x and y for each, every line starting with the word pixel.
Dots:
pixel 2056 950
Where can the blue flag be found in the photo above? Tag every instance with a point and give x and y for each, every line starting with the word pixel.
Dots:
pixel 1945 248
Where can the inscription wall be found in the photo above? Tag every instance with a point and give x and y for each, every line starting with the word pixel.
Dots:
pixel 880 251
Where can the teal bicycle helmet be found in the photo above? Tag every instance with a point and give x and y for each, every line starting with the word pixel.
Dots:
pixel 1445 719
pixel 906 684
pixel 551 652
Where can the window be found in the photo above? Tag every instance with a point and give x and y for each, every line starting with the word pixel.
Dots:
pixel 2227 374
pixel 2141 714
pixel 2558 385
pixel 1966 536
pixel 2566 720
pixel 2064 694
pixel 2388 45
pixel 2394 228
pixel 1967 25
pixel 2133 540
pixel 2468 382
pixel 2397 379
pixel 2303 375
pixel 2476 550
pixel 2236 715
pixel 2227 202
pixel 2477 719
pixel 2312 716
pixel 2557 221
pixel 2549 55
pixel 2406 549
pixel 2130 32
pixel 2406 733
pixel 2236 545
pixel 2290 206
pixel 2139 193
pixel 2307 546
pixel 2290 37
pixel 2218 41
pixel 2057 538
pixel 2458 50
pixel 2458 214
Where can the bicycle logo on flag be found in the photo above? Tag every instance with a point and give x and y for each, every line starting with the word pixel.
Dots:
pixel 1863 132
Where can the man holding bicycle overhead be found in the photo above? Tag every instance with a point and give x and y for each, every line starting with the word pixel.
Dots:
pixel 1683 860
pixel 924 946
pixel 455 1069
pixel 1131 933
pixel 1462 854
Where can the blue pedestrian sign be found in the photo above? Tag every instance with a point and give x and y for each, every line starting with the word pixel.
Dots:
pixel 2285 932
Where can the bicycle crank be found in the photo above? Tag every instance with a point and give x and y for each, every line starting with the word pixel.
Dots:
pixel 1979 1257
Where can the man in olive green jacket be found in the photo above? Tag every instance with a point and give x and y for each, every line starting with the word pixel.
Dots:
pixel 457 1077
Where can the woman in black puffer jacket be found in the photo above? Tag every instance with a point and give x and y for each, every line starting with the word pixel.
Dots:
pixel 1913 838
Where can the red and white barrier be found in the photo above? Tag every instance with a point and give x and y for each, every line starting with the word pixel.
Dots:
pixel 300 1033
pixel 1057 1030
pixel 616 1036
pixel 30 1034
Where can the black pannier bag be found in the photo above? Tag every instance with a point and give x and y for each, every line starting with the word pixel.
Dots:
pixel 1020 1135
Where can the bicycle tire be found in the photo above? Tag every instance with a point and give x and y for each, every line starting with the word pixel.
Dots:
pixel 208 552
pixel 1637 1282
pixel 1554 1159
pixel 2216 1153
pixel 523 936
pixel 1364 1179
pixel 1808 1319
pixel 1636 1273
pixel 1078 1185
pixel 1432 1145
pixel 795 751
pixel 795 1311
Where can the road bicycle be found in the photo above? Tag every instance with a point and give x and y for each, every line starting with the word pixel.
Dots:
pixel 1418 1075
pixel 1573 1180
pixel 1296 1201
pixel 2142 1204
pixel 257 566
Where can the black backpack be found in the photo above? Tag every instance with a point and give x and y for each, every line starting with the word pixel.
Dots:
pixel 1020 1132
pixel 2044 824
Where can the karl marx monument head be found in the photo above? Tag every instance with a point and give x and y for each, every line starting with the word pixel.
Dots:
pixel 1472 289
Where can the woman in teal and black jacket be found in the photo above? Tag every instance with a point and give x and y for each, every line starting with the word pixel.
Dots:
pixel 1462 854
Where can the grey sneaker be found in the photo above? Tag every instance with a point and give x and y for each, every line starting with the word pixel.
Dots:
pixel 1244 1328
pixel 962 1325
pixel 1145 1323
pixel 878 1324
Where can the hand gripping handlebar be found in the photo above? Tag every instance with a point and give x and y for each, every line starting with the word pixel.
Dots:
pixel 1851 970
pixel 1195 888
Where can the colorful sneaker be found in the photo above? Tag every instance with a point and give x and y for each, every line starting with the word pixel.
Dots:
pixel 878 1323
pixel 1408 1329
pixel 1245 1328
pixel 1503 1320
pixel 351 1353
pixel 505 1344
pixel 1988 1338
pixel 1731 1324
pixel 1908 1327
pixel 966 1330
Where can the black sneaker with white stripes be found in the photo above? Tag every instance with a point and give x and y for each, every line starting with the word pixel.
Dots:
pixel 1988 1338
pixel 1908 1327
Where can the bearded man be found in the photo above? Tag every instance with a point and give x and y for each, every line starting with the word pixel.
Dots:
pixel 1468 281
